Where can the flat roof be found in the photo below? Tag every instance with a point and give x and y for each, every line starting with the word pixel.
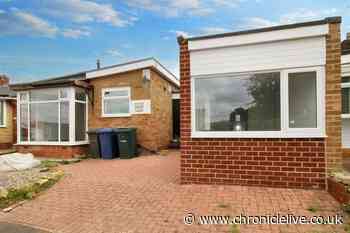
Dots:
pixel 336 19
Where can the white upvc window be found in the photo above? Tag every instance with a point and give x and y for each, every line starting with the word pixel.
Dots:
pixel 269 104
pixel 116 102
pixel 2 113
pixel 345 91
pixel 53 116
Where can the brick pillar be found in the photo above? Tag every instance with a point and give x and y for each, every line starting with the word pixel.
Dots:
pixel 333 95
pixel 185 102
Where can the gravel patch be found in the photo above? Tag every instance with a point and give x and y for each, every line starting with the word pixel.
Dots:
pixel 17 179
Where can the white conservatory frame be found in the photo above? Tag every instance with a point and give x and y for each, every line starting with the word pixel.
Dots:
pixel 72 100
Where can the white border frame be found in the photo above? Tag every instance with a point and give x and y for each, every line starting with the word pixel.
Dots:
pixel 285 131
pixel 4 125
pixel 147 108
pixel 71 100
pixel 103 90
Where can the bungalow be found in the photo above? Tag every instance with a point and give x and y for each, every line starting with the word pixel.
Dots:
pixel 262 107
pixel 7 114
pixel 55 114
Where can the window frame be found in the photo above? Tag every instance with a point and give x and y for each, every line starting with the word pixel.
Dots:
pixel 4 112
pixel 71 100
pixel 345 85
pixel 104 90
pixel 286 131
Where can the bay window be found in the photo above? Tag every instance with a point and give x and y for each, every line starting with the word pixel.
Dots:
pixel 284 103
pixel 52 116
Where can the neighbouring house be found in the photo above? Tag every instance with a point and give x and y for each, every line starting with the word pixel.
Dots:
pixel 55 114
pixel 345 85
pixel 7 114
pixel 262 107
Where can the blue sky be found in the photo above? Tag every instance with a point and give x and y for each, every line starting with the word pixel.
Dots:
pixel 47 38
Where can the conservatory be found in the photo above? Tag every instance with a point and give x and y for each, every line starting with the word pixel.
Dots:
pixel 52 116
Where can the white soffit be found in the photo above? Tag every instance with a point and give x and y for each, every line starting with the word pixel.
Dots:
pixel 259 37
pixel 132 66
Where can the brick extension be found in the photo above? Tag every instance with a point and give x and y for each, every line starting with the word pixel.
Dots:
pixel 293 163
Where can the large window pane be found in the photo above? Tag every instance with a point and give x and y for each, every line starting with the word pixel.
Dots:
pixel 42 95
pixel 44 122
pixel 24 122
pixel 302 100
pixel 345 100
pixel 239 103
pixel 80 121
pixel 116 106
pixel 2 112
pixel 64 117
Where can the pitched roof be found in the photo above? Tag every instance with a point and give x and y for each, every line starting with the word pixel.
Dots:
pixel 95 73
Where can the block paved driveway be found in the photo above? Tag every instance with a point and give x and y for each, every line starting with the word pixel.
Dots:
pixel 144 195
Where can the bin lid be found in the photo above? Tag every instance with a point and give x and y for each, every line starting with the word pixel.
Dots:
pixel 92 131
pixel 105 130
pixel 117 130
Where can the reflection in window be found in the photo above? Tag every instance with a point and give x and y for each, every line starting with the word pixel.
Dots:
pixel 345 93
pixel 64 117
pixel 24 122
pixel 302 100
pixel 248 102
pixel 44 122
pixel 2 112
pixel 80 122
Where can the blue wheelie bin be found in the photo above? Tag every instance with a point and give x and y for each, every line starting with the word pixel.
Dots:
pixel 108 146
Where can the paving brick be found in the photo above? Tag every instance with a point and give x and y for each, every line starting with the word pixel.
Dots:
pixel 144 195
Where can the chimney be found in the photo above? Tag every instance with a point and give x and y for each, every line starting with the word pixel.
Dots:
pixel 348 36
pixel 98 64
pixel 4 80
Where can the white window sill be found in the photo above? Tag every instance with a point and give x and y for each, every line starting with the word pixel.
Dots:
pixel 116 115
pixel 345 116
pixel 262 134
pixel 52 143
pixel 2 126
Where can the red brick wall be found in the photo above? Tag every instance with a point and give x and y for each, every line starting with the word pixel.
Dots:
pixel 65 152
pixel 292 163
pixel 339 191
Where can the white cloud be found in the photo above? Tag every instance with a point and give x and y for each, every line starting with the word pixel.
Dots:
pixel 172 8
pixel 83 11
pixel 228 3
pixel 75 33
pixel 300 15
pixel 257 22
pixel 214 30
pixel 17 22
pixel 114 53
pixel 181 33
